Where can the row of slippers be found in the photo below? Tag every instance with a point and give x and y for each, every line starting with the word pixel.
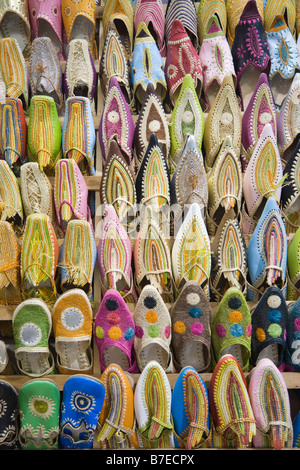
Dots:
pixel 188 333
pixel 110 413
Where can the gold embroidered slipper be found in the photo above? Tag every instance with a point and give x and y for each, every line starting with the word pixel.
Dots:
pixel 10 253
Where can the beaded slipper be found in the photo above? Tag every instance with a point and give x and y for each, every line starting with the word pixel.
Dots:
pixel 9 424
pixel 152 406
pixel 44 122
pixel 13 133
pixel 208 10
pixel 14 70
pixel 187 118
pixel 234 10
pixel 232 415
pixel 147 66
pixel 77 257
pixel 116 420
pixel 11 206
pixel 191 318
pixel 39 405
pixel 72 319
pixel 231 329
pixel 182 59
pixel 152 330
pixel 14 22
pixel 152 13
pixel 10 280
pixel 151 119
pixel 291 354
pixel 290 200
pixel 190 410
pixel 116 122
pixel 114 257
pixel 32 324
pixel 184 11
pixel 82 401
pixel 78 134
pixel 114 331
pixel 271 407
pixel 39 257
pixel 269 328
pixel 121 14
pixel 215 58
pixel 191 256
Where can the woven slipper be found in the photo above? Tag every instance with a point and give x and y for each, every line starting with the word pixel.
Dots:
pixel 121 14
pixel 117 420
pixel 234 10
pixel 82 401
pixel 187 118
pixel 117 187
pixel 9 265
pixel 151 118
pixel 232 415
pixel 152 405
pixel 76 266
pixel 32 325
pixel 190 410
pixel 206 11
pixel 269 328
pixel 191 318
pixel 72 319
pixel 153 15
pixel 231 329
pixel 13 132
pixel 152 330
pixel 78 134
pixel 9 424
pixel 39 404
pixel 11 206
pixel 184 11
pixel 114 257
pixel 271 407
pixel 14 22
pixel 114 331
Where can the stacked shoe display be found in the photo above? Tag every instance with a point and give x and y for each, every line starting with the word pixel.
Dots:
pixel 149 186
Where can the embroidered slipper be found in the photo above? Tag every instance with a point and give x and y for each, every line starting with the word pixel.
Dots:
pixel 152 258
pixel 191 260
pixel 11 206
pixel 121 14
pixel 224 185
pixel 190 410
pixel 147 66
pixel 271 407
pixel 234 10
pixel 269 328
pixel 117 420
pixel 187 118
pixel 14 22
pixel 231 329
pixel 152 13
pixel 44 122
pixel 10 280
pixel 13 132
pixel 232 415
pixel 114 331
pixel 274 7
pixel 45 71
pixel 116 122
pixel 293 264
pixel 152 330
pixel 152 405
pixel 77 257
pixel 14 70
pixel 215 55
pixel 82 401
pixel 182 59
pixel 289 201
pixel 191 318
pixel 224 119
pixel 9 424
pixel 117 187
pixel 78 134
pixel 206 11
pixel 229 258
pixel 32 324
pixel 39 404
pixel 259 112
pixel 72 319
pixel 46 21
pixel 39 258
pixel 114 257
pixel 151 118
pixel 184 11
pixel 285 58
pixel 250 51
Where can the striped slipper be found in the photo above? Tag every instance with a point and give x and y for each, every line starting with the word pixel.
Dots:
pixel 184 11
pixel 9 265
pixel 152 405
pixel 11 207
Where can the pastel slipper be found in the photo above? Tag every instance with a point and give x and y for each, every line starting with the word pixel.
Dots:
pixel 152 13
pixel 82 401
pixel 9 424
